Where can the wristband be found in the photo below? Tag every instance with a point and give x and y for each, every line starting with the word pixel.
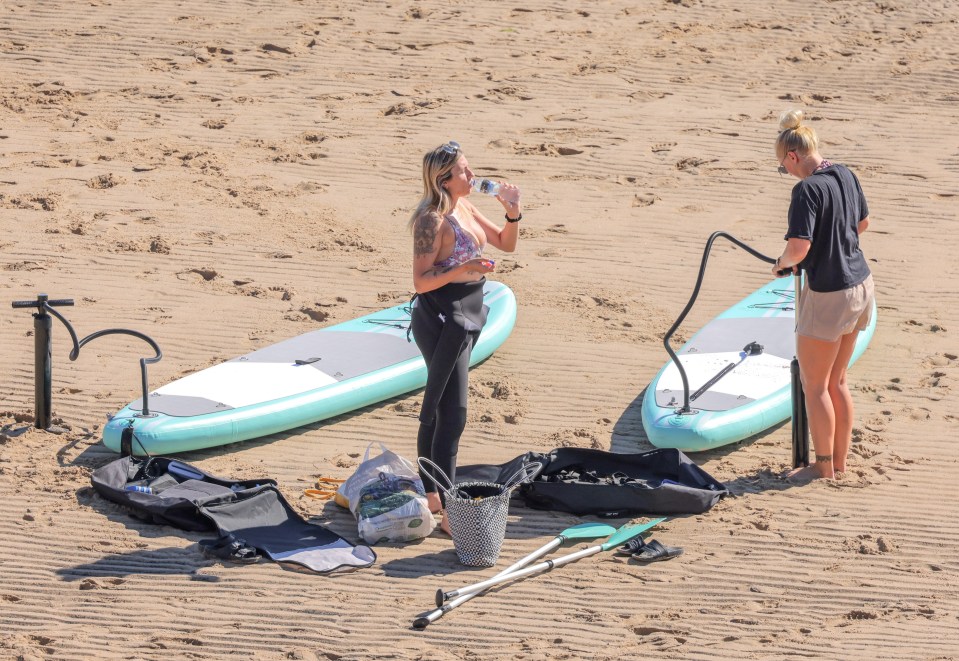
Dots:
pixel 513 220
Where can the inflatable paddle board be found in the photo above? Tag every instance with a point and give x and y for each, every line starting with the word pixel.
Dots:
pixel 752 391
pixel 295 382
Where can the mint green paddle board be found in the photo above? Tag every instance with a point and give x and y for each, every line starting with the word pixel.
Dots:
pixel 752 396
pixel 296 382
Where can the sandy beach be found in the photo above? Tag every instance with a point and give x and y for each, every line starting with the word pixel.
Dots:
pixel 222 176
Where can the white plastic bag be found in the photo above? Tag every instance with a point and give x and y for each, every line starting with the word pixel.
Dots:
pixel 386 495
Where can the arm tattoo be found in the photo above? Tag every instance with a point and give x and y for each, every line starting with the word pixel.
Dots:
pixel 441 271
pixel 424 235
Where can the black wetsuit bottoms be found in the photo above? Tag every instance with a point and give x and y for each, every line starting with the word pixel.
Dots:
pixel 446 323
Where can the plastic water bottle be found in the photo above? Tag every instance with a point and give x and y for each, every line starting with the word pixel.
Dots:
pixel 139 488
pixel 486 186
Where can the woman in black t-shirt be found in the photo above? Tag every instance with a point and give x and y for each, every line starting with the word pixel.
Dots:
pixel 827 213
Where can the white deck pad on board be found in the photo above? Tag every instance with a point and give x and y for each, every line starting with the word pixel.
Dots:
pixel 753 378
pixel 231 382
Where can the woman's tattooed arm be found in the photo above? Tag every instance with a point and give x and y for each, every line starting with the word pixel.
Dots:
pixel 440 271
pixel 424 235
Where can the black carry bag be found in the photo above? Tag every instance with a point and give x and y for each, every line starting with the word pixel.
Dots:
pixel 594 482
pixel 247 515
pixel 167 492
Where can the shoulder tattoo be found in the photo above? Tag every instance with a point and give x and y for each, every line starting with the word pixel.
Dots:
pixel 424 234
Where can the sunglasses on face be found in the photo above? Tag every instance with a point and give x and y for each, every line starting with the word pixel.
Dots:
pixel 782 168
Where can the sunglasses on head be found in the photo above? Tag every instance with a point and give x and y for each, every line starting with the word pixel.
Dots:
pixel 450 148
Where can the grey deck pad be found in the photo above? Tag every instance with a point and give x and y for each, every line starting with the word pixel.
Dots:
pixel 708 401
pixel 342 354
pixel 180 406
pixel 775 334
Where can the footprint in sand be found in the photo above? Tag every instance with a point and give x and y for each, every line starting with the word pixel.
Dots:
pixel 939 378
pixel 940 360
pixel 875 423
pixel 33 201
pixel 912 326
pixel 206 273
pixel 867 544
pixel 101 583
pixel 662 147
pixel 505 94
pixel 105 181
pixel 692 164
pixel 572 438
pixel 862 614
pixel 394 296
pixel 261 336
pixel 545 149
pixel 507 266
pixel 319 311
pixel 412 108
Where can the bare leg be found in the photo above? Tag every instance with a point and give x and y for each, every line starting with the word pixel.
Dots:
pixel 842 402
pixel 816 360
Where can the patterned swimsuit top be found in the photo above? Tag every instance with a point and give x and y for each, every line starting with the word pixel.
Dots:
pixel 464 249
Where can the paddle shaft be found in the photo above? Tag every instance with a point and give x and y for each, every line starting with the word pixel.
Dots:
pixel 444 608
pixel 621 536
pixel 527 571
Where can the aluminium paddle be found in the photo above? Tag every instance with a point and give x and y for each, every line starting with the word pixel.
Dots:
pixel 621 536
pixel 581 531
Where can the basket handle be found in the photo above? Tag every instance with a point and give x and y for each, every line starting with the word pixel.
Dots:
pixel 426 465
pixel 523 475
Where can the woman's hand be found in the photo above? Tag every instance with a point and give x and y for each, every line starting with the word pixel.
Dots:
pixel 509 197
pixel 783 271
pixel 796 251
pixel 479 265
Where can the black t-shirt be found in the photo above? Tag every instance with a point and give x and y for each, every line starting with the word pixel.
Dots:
pixel 826 208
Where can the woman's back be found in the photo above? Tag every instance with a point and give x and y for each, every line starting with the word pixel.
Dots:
pixel 826 209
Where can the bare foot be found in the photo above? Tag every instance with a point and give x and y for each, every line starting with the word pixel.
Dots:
pixel 434 502
pixel 804 475
pixel 444 525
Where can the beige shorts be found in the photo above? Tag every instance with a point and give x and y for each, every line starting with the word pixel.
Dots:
pixel 827 316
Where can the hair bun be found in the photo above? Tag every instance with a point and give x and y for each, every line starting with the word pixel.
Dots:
pixel 790 119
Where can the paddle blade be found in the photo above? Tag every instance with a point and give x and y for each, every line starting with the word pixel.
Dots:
pixel 626 533
pixel 421 623
pixel 588 531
